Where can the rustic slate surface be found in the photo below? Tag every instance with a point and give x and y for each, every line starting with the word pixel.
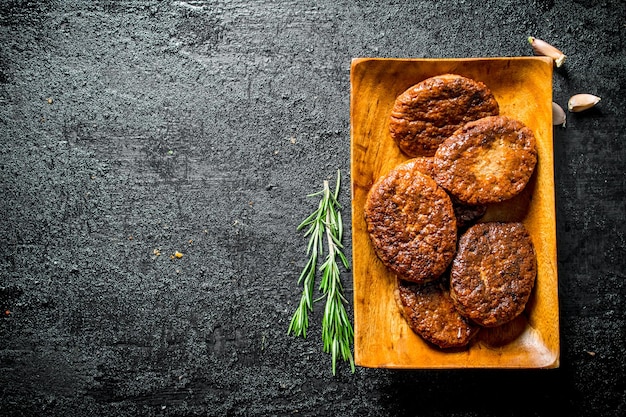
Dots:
pixel 132 130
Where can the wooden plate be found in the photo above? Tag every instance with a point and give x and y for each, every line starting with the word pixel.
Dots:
pixel 523 88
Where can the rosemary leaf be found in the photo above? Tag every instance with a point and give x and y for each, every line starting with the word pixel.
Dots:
pixel 337 331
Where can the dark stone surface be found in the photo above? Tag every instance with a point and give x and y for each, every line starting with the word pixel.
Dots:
pixel 199 127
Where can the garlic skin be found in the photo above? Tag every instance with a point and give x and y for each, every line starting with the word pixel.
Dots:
pixel 580 102
pixel 542 47
pixel 558 115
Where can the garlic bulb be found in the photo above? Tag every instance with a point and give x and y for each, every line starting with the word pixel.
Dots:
pixel 558 115
pixel 580 102
pixel 542 47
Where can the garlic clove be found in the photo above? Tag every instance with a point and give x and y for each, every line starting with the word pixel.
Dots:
pixel 558 115
pixel 580 102
pixel 542 47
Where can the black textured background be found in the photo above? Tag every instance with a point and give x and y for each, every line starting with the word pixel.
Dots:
pixel 133 126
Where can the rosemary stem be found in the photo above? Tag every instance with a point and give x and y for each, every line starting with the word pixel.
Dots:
pixel 337 332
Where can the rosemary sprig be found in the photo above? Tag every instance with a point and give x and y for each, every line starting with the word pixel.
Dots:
pixel 337 331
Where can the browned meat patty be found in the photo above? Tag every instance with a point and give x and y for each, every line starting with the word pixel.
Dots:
pixel 427 113
pixel 493 272
pixel 487 160
pixel 411 224
pixel 466 214
pixel 430 312
pixel 425 165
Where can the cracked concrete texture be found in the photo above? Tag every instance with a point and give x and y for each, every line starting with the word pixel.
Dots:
pixel 132 130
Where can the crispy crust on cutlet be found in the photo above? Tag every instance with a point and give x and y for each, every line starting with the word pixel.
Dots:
pixel 411 224
pixel 425 165
pixel 425 114
pixel 430 313
pixel 487 160
pixel 493 272
pixel 466 214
